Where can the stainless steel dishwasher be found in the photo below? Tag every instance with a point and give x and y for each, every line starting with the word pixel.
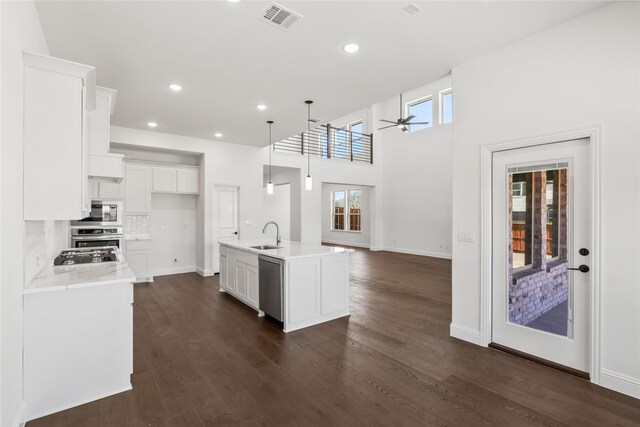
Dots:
pixel 271 279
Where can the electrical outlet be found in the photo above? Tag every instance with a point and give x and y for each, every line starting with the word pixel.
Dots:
pixel 37 260
pixel 466 236
pixel 59 244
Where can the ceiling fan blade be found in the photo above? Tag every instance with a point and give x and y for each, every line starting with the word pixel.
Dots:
pixel 387 127
pixel 388 121
pixel 417 123
pixel 313 120
pixel 408 119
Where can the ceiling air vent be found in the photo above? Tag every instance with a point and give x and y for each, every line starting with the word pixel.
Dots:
pixel 279 16
pixel 412 9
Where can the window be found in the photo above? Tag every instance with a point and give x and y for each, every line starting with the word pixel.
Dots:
pixel 422 109
pixel 356 136
pixel 338 210
pixel 344 219
pixel 341 143
pixel 355 213
pixel 519 189
pixel 324 143
pixel 446 106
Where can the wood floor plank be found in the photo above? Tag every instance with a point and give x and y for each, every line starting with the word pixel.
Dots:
pixel 201 358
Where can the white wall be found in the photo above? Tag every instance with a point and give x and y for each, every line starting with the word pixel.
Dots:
pixel 350 238
pixel 222 163
pixel 21 29
pixel 416 177
pixel 580 74
pixel 277 207
pixel 173 229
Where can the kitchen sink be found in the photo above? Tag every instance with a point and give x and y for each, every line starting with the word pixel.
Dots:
pixel 265 247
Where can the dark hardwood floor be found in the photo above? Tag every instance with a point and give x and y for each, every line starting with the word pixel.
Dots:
pixel 203 358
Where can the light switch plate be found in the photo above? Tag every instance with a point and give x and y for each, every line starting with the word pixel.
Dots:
pixel 466 236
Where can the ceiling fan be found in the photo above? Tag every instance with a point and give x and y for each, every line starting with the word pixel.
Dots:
pixel 401 123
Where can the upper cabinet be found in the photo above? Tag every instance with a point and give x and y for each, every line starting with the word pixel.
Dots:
pixel 58 95
pixel 103 164
pixel 137 189
pixel 175 179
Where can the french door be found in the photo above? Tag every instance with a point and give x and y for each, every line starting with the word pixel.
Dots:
pixel 541 245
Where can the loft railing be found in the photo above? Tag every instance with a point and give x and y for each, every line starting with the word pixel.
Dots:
pixel 329 142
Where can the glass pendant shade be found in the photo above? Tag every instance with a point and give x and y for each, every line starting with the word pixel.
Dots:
pixel 308 183
pixel 270 188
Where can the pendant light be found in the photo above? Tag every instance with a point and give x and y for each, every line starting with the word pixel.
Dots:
pixel 270 184
pixel 308 182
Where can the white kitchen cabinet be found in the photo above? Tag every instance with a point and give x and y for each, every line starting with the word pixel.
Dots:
pixel 252 286
pixel 138 256
pixel 137 189
pixel 78 346
pixel 102 163
pixel 58 95
pixel 164 179
pixel 106 190
pixel 230 262
pixel 239 275
pixel 175 179
pixel 187 180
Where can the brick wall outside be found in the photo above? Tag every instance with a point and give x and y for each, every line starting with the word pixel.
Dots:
pixel 534 292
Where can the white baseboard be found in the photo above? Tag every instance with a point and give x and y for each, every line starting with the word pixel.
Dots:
pixel 21 419
pixel 464 333
pixel 174 270
pixel 203 272
pixel 125 387
pixel 415 252
pixel 620 383
pixel 355 245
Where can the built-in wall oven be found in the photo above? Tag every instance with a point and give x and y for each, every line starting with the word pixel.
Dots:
pixel 91 237
pixel 104 213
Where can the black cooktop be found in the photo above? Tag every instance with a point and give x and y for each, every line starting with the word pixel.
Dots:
pixel 85 256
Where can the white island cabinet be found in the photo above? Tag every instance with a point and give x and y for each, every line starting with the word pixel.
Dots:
pixel 315 285
pixel 78 335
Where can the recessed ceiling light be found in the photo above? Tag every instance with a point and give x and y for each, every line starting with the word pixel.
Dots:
pixel 351 48
pixel 175 87
pixel 233 1
pixel 152 124
pixel 261 107
pixel 217 135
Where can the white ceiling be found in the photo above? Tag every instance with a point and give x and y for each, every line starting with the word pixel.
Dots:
pixel 228 61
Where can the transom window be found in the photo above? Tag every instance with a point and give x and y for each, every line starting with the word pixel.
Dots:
pixel 346 210
pixel 422 109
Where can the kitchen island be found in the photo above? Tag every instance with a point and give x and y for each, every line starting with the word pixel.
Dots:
pixel 315 282
pixel 78 335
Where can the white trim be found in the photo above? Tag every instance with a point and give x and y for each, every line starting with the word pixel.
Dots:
pixel 174 270
pixel 204 273
pixel 441 104
pixel 335 242
pixel 620 382
pixel 464 333
pixel 316 320
pixel 80 402
pixel 414 252
pixel 21 419
pixel 486 232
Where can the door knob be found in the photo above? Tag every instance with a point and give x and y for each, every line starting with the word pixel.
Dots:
pixel 583 251
pixel 235 232
pixel 582 269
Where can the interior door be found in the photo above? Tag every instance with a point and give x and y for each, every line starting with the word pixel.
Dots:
pixel 541 232
pixel 225 220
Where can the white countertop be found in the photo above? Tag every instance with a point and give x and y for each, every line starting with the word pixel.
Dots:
pixel 64 277
pixel 287 250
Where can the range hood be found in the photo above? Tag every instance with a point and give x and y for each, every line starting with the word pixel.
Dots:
pixel 103 165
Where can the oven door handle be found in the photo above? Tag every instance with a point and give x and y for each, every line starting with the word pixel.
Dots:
pixel 98 237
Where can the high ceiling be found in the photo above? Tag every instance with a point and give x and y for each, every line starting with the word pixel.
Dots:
pixel 228 61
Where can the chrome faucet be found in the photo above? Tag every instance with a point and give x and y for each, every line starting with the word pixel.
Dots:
pixel 264 230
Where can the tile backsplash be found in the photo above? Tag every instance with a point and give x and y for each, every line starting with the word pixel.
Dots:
pixel 42 241
pixel 136 226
